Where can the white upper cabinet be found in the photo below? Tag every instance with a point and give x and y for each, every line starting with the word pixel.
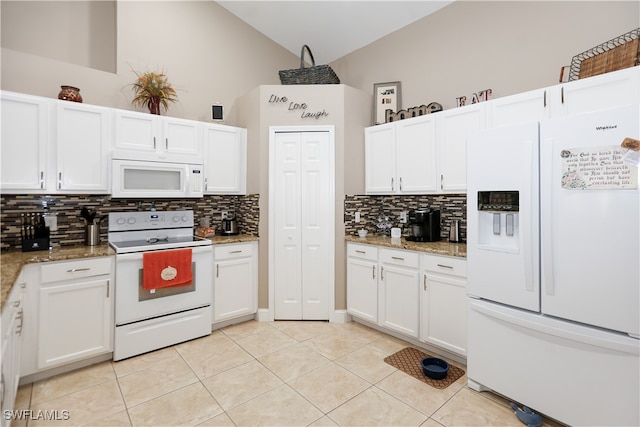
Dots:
pixel 401 157
pixel 25 138
pixel 143 136
pixel 51 146
pixel 82 147
pixel 524 107
pixel 380 159
pixel 600 92
pixel 225 159
pixel 453 127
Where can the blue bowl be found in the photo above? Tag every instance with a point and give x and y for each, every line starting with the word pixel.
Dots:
pixel 434 368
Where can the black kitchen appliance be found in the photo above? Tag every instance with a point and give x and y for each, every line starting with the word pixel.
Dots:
pixel 424 225
pixel 229 226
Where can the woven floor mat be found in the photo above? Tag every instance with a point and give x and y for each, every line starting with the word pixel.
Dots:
pixel 408 361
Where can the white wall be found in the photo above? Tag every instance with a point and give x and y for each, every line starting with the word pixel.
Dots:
pixel 208 54
pixel 507 46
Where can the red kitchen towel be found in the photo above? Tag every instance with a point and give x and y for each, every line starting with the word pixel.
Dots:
pixel 163 269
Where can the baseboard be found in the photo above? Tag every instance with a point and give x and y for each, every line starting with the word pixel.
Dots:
pixel 263 315
pixel 340 316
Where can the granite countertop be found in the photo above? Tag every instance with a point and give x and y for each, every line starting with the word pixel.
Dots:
pixel 13 261
pixel 442 247
pixel 239 238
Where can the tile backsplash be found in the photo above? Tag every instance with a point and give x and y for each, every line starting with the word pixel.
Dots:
pixel 452 207
pixel 71 230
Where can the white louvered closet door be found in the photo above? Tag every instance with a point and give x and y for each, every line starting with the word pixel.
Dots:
pixel 303 232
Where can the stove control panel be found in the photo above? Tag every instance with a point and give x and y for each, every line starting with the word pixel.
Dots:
pixel 149 220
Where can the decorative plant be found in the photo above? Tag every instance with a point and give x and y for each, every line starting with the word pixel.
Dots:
pixel 153 90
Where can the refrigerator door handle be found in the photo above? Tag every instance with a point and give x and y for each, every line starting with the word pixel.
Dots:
pixel 551 327
pixel 530 182
pixel 546 231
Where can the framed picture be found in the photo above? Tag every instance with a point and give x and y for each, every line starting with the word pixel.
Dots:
pixel 386 96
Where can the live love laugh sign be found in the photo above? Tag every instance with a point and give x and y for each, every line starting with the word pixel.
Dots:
pixel 300 107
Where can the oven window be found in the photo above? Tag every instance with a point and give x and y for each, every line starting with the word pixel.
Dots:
pixel 144 294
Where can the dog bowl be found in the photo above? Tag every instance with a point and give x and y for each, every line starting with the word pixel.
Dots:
pixel 362 233
pixel 434 368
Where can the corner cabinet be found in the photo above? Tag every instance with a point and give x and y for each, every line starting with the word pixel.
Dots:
pixel 75 311
pixel 225 159
pixel 443 302
pixel 235 283
pixel 142 136
pixel 401 157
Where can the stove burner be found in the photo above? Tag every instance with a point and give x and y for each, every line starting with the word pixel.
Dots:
pixel 157 239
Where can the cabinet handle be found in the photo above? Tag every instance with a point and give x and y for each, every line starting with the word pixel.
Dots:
pixel 217 270
pixel 154 142
pixel 75 270
pixel 373 271
pixel 360 252
pixel 381 273
pixel 20 318
pixel 206 184
pixel 397 258
pixel 562 94
pixel 444 266
pixel 108 286
pixel 545 99
pixel 166 144
pixel 59 180
pixel 441 182
pixel 42 180
pixel 400 183
pixel 235 252
pixel 424 281
pixel 391 183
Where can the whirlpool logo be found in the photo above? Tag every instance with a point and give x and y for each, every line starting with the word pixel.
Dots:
pixel 606 127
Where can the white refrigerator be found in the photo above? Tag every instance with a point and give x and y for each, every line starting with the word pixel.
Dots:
pixel 553 259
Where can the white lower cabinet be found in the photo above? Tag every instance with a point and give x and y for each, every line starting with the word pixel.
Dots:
pixel 75 311
pixel 12 319
pixel 416 294
pixel 362 281
pixel 399 291
pixel 235 283
pixel 443 303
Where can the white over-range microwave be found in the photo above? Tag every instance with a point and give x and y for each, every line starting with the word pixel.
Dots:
pixel 146 179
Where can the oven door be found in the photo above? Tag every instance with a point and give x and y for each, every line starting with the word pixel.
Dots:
pixel 133 303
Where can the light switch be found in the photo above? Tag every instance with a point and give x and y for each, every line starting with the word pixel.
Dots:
pixel 51 221
pixel 357 217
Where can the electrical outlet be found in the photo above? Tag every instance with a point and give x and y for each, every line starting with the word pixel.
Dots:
pixel 403 217
pixel 357 217
pixel 51 221
pixel 224 214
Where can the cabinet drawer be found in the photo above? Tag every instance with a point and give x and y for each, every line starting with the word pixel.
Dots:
pixel 232 251
pixel 362 251
pixel 445 265
pixel 403 258
pixel 69 270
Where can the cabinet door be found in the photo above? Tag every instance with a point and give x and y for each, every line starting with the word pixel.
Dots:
pixel 416 155
pixel 380 159
pixel 225 162
pixel 362 289
pixel 454 126
pixel 75 321
pixel 399 299
pixel 11 334
pixel 135 131
pixel 601 92
pixel 234 289
pixel 524 107
pixel 25 138
pixel 82 143
pixel 443 312
pixel 181 137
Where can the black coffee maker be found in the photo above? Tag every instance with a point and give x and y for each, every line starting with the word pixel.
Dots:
pixel 424 225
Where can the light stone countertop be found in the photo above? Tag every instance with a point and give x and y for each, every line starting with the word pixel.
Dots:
pixel 11 262
pixel 442 247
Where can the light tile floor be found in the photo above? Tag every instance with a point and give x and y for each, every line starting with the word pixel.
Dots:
pixel 279 374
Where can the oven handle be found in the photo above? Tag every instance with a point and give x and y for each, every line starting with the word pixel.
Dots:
pixel 138 255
